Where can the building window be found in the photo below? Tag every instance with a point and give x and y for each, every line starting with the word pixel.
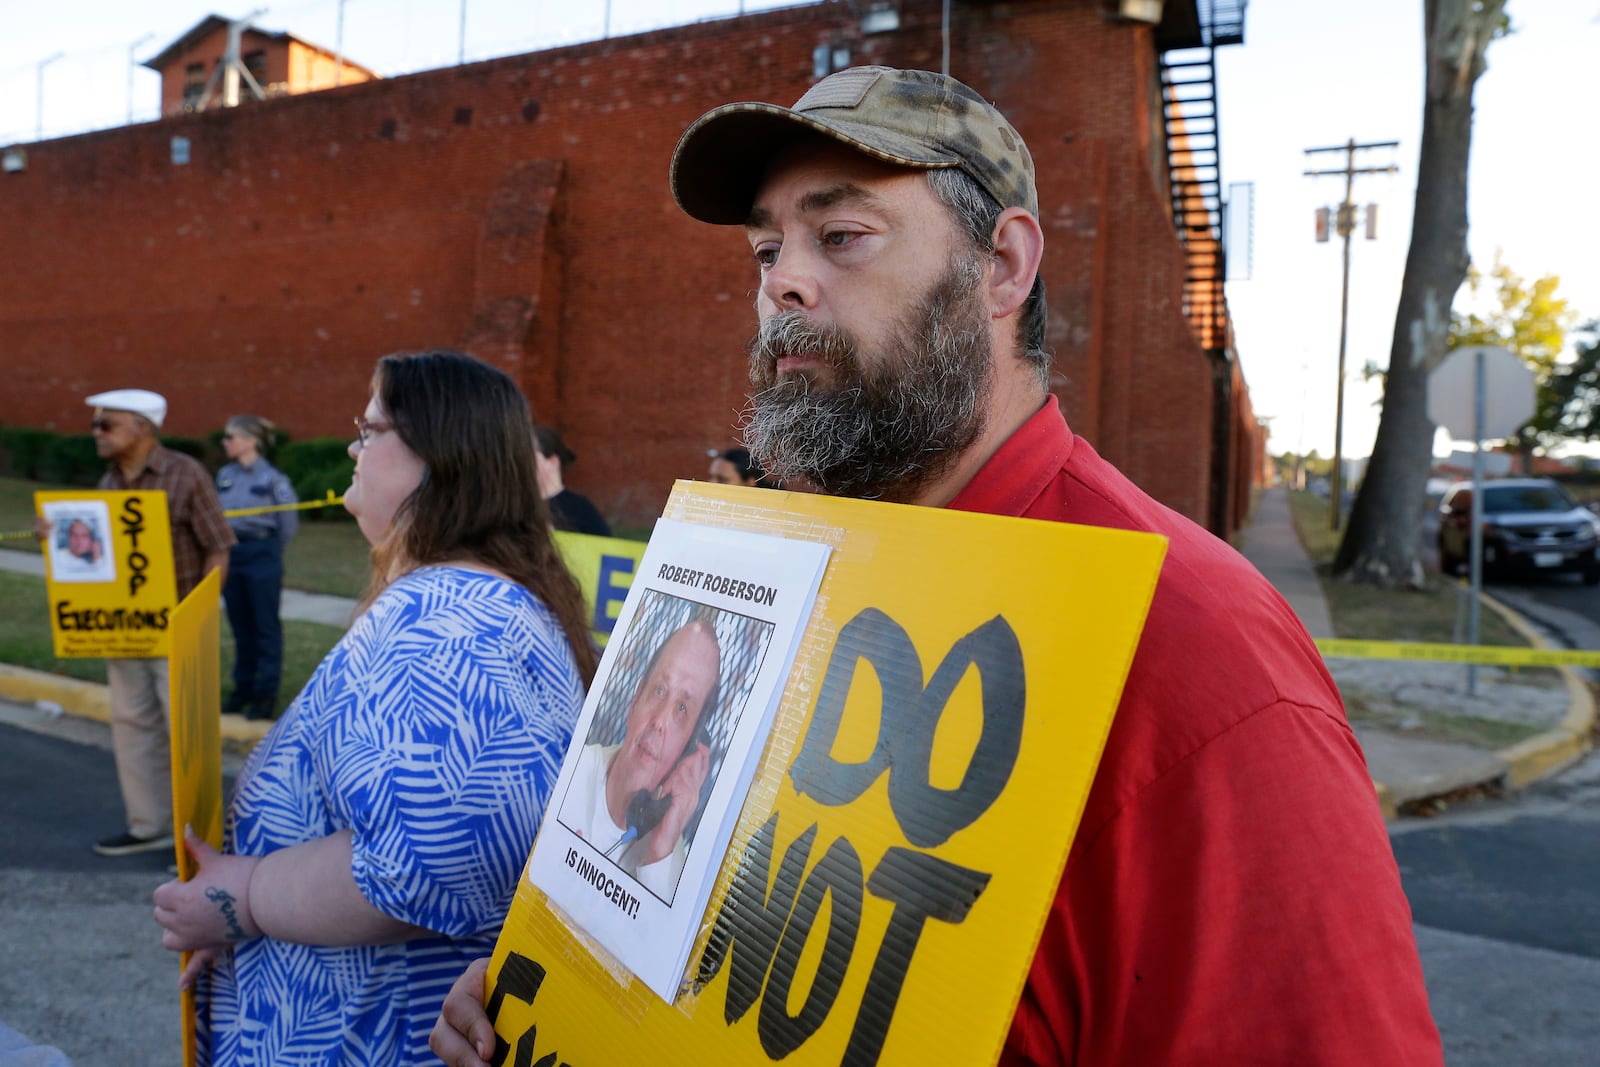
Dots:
pixel 194 85
pixel 256 63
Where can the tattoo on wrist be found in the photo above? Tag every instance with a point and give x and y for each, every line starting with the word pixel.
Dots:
pixel 230 915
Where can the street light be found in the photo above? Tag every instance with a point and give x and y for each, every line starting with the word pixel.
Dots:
pixel 38 98
pixel 131 49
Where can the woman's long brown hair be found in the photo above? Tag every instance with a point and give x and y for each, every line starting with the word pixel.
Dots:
pixel 479 499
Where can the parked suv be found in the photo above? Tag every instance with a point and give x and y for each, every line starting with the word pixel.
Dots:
pixel 1529 524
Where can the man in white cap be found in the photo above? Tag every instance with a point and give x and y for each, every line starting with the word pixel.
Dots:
pixel 125 425
pixel 1230 895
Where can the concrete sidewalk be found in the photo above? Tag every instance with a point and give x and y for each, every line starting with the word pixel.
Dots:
pixel 1410 768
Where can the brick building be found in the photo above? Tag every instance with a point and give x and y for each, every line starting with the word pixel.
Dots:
pixel 518 208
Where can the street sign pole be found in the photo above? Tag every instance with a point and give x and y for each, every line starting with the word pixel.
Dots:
pixel 1477 514
pixel 1487 391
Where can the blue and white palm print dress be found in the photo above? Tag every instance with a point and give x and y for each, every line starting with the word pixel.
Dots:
pixel 433 732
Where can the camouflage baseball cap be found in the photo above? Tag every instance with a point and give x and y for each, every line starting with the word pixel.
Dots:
pixel 912 118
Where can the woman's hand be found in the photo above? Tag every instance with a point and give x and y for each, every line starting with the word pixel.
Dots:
pixel 463 1036
pixel 210 910
pixel 200 961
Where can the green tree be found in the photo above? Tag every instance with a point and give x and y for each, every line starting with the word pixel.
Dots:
pixel 1527 319
pixel 1569 400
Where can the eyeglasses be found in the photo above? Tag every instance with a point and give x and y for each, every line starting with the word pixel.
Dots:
pixel 102 425
pixel 366 427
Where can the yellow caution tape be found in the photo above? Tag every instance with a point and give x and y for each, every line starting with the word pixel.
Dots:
pixel 330 501
pixel 1499 655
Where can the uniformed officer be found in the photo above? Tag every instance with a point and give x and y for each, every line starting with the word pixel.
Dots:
pixel 255 566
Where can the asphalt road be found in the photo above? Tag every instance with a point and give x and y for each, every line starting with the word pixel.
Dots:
pixel 1506 897
pixel 81 965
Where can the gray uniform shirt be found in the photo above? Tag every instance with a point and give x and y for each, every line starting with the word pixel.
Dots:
pixel 257 486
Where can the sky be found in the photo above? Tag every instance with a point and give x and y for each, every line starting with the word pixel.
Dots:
pixel 1316 75
pixel 1308 76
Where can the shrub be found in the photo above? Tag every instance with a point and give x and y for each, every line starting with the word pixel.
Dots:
pixel 25 449
pixel 70 459
pixel 189 446
pixel 315 468
pixel 317 484
pixel 299 458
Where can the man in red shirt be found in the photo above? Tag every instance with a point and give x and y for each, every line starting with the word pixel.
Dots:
pixel 1230 895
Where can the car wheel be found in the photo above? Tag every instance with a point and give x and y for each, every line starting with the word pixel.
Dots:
pixel 1591 576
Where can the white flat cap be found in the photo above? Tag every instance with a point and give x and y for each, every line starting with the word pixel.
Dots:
pixel 152 406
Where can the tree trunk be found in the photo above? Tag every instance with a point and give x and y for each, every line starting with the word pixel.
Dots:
pixel 1380 546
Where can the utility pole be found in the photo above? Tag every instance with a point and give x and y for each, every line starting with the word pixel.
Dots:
pixel 132 48
pixel 338 49
pixel 38 99
pixel 1346 224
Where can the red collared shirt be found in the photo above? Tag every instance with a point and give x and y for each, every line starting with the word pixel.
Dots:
pixel 1231 895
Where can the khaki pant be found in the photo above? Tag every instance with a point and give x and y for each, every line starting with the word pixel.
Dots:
pixel 141 739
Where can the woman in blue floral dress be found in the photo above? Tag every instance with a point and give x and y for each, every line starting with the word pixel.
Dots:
pixel 375 836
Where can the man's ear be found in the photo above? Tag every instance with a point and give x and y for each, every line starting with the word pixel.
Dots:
pixel 1018 248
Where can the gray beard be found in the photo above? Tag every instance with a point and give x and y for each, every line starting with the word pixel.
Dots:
pixel 883 432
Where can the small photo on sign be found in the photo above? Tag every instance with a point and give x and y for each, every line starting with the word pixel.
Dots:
pixel 79 544
pixel 660 735
pixel 671 731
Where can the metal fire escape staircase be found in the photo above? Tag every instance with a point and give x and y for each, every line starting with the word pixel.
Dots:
pixel 1189 118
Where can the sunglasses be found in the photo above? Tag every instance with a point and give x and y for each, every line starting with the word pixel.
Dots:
pixel 102 425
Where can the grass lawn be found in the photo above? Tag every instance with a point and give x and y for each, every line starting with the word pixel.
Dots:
pixel 25 640
pixel 327 557
pixel 1366 612
pixel 16 513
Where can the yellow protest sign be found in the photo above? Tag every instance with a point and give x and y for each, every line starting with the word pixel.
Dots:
pixel 108 568
pixel 604 567
pixel 911 813
pixel 194 675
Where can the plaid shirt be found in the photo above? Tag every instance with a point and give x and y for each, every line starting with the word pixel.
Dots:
pixel 198 527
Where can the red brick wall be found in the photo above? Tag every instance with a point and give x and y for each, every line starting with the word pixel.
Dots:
pixel 519 207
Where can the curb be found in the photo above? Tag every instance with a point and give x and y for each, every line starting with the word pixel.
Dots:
pixel 1544 754
pixel 86 700
pixel 92 700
